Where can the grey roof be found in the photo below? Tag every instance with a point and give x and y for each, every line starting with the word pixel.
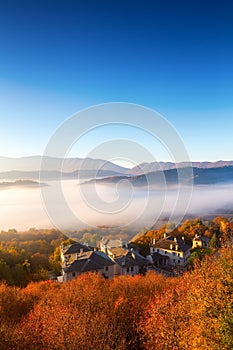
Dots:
pixel 130 258
pixel 165 243
pixel 202 238
pixel 140 260
pixel 76 248
pixel 91 261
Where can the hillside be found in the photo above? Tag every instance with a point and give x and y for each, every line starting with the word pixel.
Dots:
pixel 145 168
pixel 142 312
pixel 208 176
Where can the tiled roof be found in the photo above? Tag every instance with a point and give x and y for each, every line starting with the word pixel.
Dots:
pixel 90 261
pixel 102 259
pixel 165 243
pixel 75 248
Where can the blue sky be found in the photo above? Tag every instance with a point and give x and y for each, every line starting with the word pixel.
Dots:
pixel 57 57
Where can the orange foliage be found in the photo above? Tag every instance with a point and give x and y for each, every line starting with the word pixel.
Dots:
pixel 195 312
pixel 89 313
pixel 190 312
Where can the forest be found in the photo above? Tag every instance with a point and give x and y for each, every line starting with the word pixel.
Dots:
pixel 34 255
pixel 193 311
pixel 29 256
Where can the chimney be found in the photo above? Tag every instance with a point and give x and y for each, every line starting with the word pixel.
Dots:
pixel 175 240
pixel 132 253
pixel 154 241
pixel 165 235
pixel 81 251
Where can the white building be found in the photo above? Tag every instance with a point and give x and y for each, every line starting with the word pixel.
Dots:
pixel 174 248
pixel 200 241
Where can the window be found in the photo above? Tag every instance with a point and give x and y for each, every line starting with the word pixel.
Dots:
pixel 165 252
pixel 178 254
pixel 178 261
pixel 106 268
pixel 127 269
pixel 173 253
pixel 157 250
pixel 132 268
pixel 73 274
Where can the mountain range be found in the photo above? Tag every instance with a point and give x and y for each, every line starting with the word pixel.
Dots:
pixel 87 168
pixel 57 168
pixel 33 163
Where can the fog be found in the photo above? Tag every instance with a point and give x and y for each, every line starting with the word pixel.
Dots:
pixel 68 205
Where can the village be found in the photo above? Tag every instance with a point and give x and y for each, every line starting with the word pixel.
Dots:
pixel 114 257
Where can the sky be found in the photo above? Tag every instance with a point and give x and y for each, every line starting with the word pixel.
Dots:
pixel 59 57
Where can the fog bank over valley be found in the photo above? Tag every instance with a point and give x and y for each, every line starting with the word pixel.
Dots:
pixel 112 205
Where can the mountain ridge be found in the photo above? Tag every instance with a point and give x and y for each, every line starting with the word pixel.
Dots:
pixel 33 163
pixel 200 176
pixel 156 166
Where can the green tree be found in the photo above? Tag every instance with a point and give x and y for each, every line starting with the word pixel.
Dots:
pixel 214 244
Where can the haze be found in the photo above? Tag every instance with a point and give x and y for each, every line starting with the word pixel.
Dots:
pixel 22 208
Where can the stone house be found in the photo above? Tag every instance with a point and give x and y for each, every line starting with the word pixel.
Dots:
pixel 128 261
pixel 89 261
pixel 71 252
pixel 176 249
